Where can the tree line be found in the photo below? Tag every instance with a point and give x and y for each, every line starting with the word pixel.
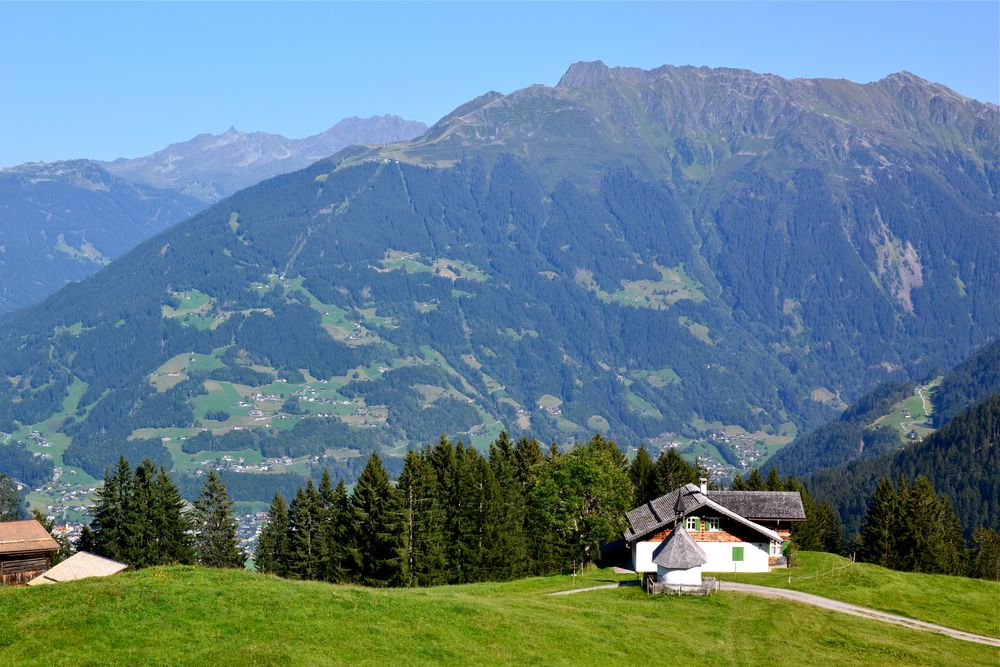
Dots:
pixel 454 516
pixel 912 528
pixel 140 519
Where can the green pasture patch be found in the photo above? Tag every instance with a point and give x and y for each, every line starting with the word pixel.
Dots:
pixel 598 423
pixel 673 285
pixel 642 407
pixel 659 379
pixel 699 331
pixel 913 413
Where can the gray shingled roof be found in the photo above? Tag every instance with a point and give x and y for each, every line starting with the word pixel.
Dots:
pixel 661 512
pixel 760 505
pixel 679 552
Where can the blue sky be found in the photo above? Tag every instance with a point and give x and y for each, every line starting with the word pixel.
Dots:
pixel 110 80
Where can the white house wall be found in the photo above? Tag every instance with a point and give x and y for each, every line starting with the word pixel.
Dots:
pixel 642 556
pixel 689 577
pixel 720 557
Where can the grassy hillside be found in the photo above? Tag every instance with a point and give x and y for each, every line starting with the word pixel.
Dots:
pixel 955 602
pixel 194 616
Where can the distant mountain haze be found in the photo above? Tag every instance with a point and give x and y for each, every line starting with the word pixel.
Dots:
pixel 707 259
pixel 210 167
pixel 62 221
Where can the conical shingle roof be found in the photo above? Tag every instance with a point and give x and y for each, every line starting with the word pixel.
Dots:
pixel 679 552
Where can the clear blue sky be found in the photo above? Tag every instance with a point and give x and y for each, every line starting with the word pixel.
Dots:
pixel 110 80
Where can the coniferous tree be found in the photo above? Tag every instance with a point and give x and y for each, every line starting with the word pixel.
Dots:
pixel 379 515
pixel 271 556
pixel 173 527
pixel 673 471
pixel 986 554
pixel 216 543
pixel 425 551
pixel 755 481
pixel 774 482
pixel 933 548
pixel 445 462
pixel 527 455
pixel 343 557
pixel 11 506
pixel 643 475
pixel 481 505
pixel 304 549
pixel 86 539
pixel 511 550
pixel 739 484
pixel 113 499
pixel 878 537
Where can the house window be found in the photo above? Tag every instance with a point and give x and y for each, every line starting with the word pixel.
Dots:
pixel 693 523
pixel 737 554
pixel 713 523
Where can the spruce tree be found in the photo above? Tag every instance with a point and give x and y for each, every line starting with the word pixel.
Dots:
pixel 379 515
pixel 112 502
pixel 445 462
pixel 11 506
pixel 673 471
pixel 304 548
pixel 878 537
pixel 216 543
pixel 271 556
pixel 643 475
pixel 511 550
pixel 755 481
pixel 343 557
pixel 424 544
pixel 527 455
pixel 986 554
pixel 173 526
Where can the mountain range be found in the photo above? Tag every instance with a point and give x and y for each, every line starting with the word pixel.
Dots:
pixel 707 259
pixel 210 167
pixel 62 221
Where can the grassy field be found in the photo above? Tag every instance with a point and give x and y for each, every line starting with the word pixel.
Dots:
pixel 972 605
pixel 191 616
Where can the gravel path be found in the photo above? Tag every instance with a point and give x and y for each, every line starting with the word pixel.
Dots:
pixel 855 610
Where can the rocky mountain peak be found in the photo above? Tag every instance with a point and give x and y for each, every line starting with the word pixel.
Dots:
pixel 584 74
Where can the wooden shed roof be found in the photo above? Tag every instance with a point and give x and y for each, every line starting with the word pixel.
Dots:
pixel 25 537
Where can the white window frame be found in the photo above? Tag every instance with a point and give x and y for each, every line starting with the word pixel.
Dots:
pixel 714 524
pixel 693 523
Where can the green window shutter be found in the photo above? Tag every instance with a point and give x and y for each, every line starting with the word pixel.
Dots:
pixel 737 554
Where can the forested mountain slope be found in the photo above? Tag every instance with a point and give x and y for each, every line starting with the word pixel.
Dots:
pixel 650 254
pixel 961 460
pixel 874 425
pixel 63 220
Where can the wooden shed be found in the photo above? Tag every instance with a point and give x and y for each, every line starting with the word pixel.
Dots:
pixel 26 550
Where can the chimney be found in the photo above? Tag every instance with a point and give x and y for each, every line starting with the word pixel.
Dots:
pixel 704 485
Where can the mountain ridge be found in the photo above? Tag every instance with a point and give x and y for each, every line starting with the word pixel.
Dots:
pixel 224 163
pixel 553 261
